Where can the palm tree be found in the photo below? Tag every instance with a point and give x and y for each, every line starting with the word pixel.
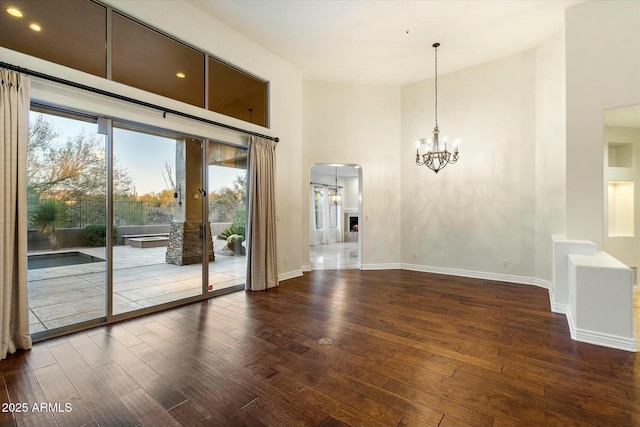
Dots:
pixel 46 216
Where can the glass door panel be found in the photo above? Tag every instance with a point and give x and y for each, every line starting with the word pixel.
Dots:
pixel 157 203
pixel 66 210
pixel 227 186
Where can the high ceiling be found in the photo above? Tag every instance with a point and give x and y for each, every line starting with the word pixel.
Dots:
pixel 389 41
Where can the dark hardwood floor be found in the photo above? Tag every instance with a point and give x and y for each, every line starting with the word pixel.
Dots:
pixel 409 349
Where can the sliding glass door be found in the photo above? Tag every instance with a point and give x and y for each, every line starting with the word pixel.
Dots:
pixel 227 212
pixel 126 219
pixel 157 219
pixel 66 208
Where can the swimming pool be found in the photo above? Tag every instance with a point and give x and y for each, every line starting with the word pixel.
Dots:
pixel 35 262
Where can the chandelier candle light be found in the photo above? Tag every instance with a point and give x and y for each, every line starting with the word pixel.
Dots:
pixel 432 152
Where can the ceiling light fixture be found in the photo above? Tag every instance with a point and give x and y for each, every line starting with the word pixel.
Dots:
pixel 433 152
pixel 35 27
pixel 181 75
pixel 14 12
pixel 335 196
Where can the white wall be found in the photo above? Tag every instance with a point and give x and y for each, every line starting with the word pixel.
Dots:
pixel 602 71
pixel 550 162
pixel 350 199
pixel 484 210
pixel 360 125
pixel 192 26
pixel 473 215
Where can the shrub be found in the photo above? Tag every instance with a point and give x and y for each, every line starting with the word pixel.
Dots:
pixel 228 232
pixel 46 216
pixel 237 227
pixel 159 216
pixel 239 221
pixel 96 235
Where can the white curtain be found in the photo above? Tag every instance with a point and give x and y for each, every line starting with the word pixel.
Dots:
pixel 14 131
pixel 313 225
pixel 326 219
pixel 338 234
pixel 262 264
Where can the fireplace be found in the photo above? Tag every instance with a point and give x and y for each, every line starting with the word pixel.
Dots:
pixel 353 223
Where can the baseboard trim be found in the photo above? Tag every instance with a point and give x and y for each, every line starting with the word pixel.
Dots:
pixel 451 272
pixel 559 308
pixel 569 316
pixel 289 275
pixel 386 266
pixel 598 338
pixel 605 340
pixel 542 283
pixel 478 275
pixel 556 307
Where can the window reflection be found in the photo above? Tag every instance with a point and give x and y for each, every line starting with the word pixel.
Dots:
pixel 71 33
pixel 149 60
pixel 74 33
pixel 236 94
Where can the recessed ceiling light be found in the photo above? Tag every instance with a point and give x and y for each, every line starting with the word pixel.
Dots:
pixel 181 75
pixel 15 12
pixel 35 27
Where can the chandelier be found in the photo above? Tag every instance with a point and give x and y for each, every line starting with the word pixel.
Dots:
pixel 432 152
pixel 335 197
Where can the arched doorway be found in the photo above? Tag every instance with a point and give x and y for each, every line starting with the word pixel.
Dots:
pixel 335 226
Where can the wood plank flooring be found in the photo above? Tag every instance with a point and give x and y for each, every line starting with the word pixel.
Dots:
pixel 409 349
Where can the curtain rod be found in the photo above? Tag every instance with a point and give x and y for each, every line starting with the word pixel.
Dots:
pixel 325 185
pixel 132 100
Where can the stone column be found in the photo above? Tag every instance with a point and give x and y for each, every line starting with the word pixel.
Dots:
pixel 186 235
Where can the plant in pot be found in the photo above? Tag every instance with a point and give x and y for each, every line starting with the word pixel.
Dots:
pixel 234 235
pixel 234 243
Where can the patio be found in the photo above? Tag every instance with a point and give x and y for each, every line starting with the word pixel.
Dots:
pixel 60 296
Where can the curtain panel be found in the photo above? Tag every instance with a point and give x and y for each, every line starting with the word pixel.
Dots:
pixel 325 219
pixel 262 264
pixel 316 214
pixel 14 132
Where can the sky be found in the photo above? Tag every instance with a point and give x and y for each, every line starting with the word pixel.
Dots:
pixel 142 155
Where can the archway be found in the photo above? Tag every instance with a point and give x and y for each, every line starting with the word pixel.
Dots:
pixel 335 225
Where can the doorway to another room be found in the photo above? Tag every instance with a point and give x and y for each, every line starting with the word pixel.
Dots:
pixel 335 225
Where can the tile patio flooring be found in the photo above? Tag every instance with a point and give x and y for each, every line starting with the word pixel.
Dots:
pixel 61 296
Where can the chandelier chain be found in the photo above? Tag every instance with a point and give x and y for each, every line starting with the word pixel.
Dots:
pixel 436 83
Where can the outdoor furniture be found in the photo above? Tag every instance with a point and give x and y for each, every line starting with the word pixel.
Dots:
pixel 148 242
pixel 126 238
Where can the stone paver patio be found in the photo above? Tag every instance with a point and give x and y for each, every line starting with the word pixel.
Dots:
pixel 61 296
